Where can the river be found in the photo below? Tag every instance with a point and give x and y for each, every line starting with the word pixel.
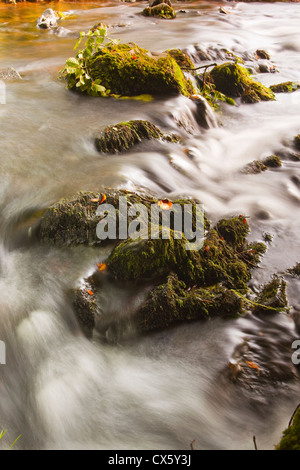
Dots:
pixel 59 390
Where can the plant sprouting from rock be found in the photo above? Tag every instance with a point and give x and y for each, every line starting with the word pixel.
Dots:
pixel 77 71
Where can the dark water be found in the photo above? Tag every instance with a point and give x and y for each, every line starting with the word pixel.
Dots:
pixel 60 390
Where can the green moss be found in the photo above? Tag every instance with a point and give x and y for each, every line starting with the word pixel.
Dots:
pixel 291 436
pixel 295 271
pixel 233 230
pixel 70 221
pixel 163 10
pixel 234 80
pixel 261 54
pixel 273 161
pixel 127 69
pixel 286 87
pixel 272 295
pixel 223 257
pixel 172 302
pixel 122 136
pixel 182 59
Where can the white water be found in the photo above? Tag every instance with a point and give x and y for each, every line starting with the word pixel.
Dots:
pixel 60 390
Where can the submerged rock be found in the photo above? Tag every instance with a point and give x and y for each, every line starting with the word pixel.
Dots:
pixel 128 70
pixel 120 137
pixel 235 81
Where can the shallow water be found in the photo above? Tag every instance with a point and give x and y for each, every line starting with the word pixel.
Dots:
pixel 60 390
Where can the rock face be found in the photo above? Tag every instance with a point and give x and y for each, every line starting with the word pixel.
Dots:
pixel 234 80
pixel 120 137
pixel 128 70
pixel 48 19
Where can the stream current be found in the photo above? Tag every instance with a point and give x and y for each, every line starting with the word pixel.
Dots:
pixel 59 390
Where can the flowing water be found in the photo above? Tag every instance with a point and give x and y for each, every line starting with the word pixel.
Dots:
pixel 60 390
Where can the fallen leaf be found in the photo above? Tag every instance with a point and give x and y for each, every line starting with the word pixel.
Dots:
pixel 103 199
pixel 101 266
pixel 207 248
pixel 94 199
pixel 165 204
pixel 253 366
pixel 90 292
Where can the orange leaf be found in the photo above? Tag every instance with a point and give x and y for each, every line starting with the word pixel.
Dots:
pixel 252 365
pixel 165 204
pixel 90 292
pixel 103 199
pixel 207 248
pixel 101 266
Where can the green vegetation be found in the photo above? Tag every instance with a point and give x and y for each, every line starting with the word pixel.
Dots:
pixel 291 436
pixel 106 68
pixel 235 81
pixel 286 87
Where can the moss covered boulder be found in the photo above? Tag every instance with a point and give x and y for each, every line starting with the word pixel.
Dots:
pixel 224 257
pixel 128 70
pixel 162 10
pixel 172 302
pixel 121 137
pixel 234 80
pixel 291 435
pixel 73 221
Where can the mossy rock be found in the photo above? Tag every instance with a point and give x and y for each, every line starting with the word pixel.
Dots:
pixel 171 303
pixel 295 270
pixel 272 297
pixel 291 435
pixel 225 257
pixel 182 58
pixel 254 167
pixel 262 54
pixel 235 81
pixel 73 221
pixel 121 137
pixel 258 166
pixel 286 87
pixel 162 10
pixel 128 70
pixel 273 161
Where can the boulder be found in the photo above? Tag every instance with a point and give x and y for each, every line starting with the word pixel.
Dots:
pixel 235 81
pixel 128 70
pixel 121 137
pixel 48 19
